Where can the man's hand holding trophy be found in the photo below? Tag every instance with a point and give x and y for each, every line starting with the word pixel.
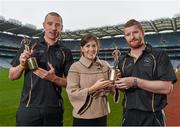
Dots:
pixel 30 60
pixel 27 60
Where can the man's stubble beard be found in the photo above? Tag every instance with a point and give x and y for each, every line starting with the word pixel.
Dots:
pixel 138 45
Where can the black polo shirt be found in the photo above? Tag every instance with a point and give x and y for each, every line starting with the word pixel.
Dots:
pixel 153 64
pixel 36 91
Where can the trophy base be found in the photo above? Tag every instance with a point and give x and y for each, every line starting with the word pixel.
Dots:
pixel 32 63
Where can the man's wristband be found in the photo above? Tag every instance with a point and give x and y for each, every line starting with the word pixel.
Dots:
pixel 135 83
pixel 21 66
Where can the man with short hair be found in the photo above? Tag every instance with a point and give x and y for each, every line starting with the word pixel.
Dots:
pixel 147 79
pixel 41 101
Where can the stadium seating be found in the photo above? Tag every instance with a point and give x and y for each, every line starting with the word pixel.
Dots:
pixel 73 44
pixel 5 62
pixel 170 42
pixel 10 40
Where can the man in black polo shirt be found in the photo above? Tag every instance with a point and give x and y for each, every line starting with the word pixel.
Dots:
pixel 147 77
pixel 41 101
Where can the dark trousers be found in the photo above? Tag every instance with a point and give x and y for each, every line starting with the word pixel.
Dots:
pixel 102 121
pixel 39 116
pixel 134 117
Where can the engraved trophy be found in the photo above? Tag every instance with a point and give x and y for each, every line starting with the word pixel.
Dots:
pixel 116 55
pixel 32 63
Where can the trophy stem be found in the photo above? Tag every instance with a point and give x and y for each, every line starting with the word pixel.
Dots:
pixel 112 74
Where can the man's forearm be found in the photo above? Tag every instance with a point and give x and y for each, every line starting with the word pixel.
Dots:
pixel 15 72
pixel 161 87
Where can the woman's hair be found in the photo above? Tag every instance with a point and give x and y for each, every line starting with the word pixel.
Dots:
pixel 88 37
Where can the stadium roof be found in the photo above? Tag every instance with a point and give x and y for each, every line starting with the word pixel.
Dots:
pixel 164 24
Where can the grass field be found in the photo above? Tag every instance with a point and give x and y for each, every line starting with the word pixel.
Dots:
pixel 9 99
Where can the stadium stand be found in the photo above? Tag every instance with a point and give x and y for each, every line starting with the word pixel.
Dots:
pixel 5 62
pixel 110 37
pixel 10 40
pixel 73 44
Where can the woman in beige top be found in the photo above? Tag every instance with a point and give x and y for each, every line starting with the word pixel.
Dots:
pixel 88 84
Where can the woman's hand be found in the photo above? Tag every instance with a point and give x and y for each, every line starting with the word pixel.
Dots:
pixel 100 84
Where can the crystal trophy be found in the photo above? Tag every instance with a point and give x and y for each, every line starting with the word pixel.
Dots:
pixel 32 62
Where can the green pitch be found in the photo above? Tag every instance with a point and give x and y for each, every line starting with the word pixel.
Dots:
pixel 9 99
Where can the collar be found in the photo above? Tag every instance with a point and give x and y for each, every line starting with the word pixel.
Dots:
pixel 88 63
pixel 147 49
